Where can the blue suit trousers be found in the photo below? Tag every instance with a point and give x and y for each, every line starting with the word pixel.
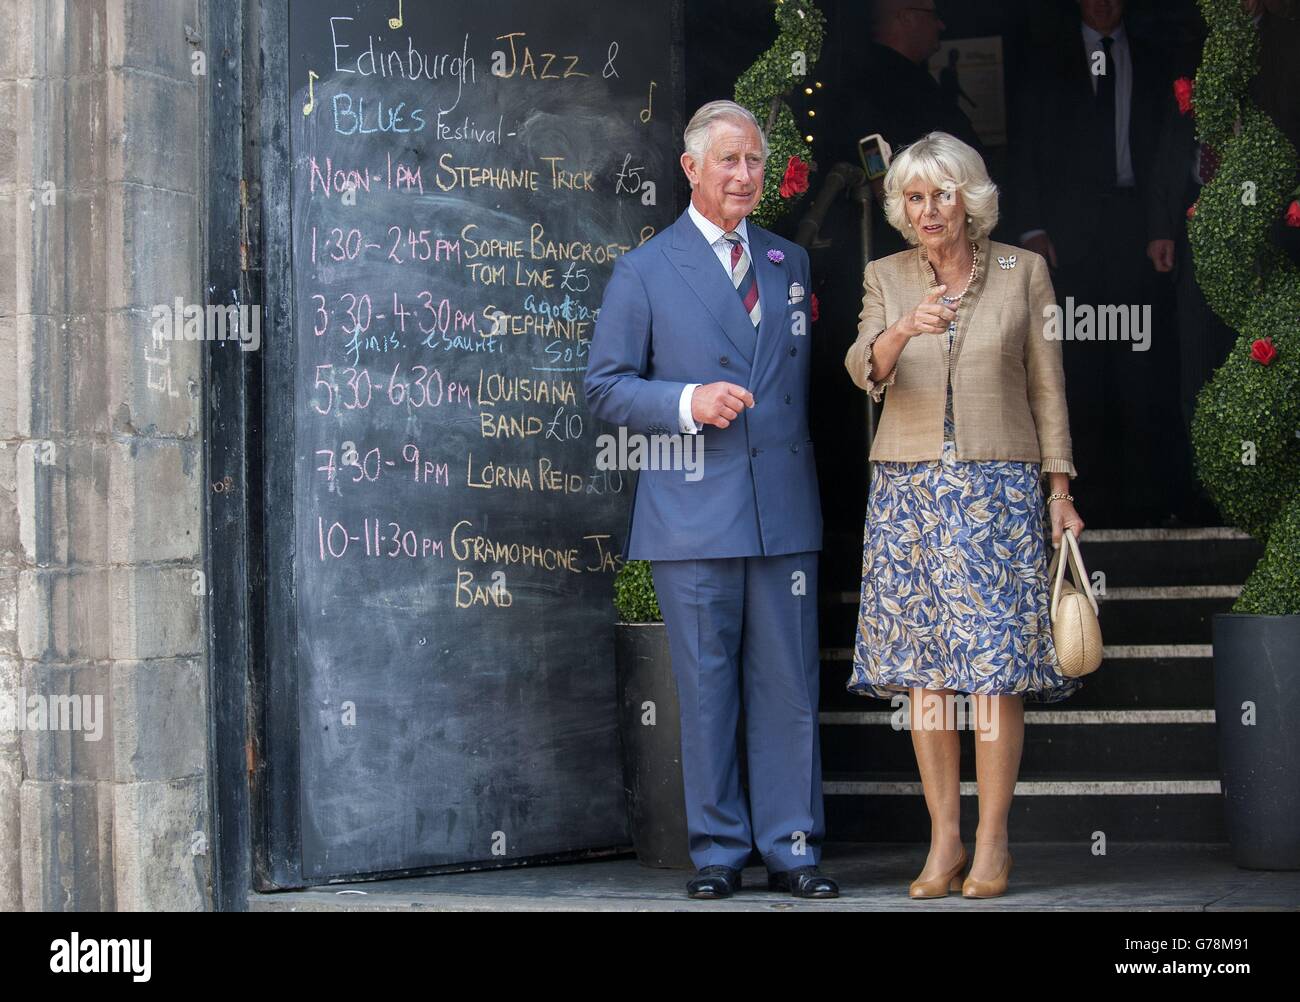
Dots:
pixel 746 628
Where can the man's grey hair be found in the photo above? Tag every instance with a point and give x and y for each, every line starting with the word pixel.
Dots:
pixel 696 137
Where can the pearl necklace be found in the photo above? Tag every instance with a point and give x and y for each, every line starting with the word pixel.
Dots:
pixel 953 300
pixel 974 264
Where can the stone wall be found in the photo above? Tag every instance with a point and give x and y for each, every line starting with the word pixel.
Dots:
pixel 102 169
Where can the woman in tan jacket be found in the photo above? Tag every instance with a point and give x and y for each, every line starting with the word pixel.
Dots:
pixel 954 585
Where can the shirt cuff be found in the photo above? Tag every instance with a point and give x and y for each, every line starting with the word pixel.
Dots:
pixel 685 420
pixel 1058 466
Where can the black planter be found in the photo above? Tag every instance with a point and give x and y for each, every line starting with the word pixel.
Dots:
pixel 1257 660
pixel 652 755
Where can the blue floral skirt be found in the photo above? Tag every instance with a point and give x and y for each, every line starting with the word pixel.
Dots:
pixel 955 592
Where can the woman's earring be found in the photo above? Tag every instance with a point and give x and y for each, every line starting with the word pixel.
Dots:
pixel 969 220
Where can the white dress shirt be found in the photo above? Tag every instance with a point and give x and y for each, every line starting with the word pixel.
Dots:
pixel 715 236
pixel 1122 57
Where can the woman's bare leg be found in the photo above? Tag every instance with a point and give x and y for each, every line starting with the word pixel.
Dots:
pixel 997 765
pixel 938 757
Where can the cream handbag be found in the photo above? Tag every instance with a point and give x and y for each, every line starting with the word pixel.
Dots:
pixel 1075 630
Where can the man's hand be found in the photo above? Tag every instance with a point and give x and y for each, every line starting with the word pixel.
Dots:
pixel 1042 244
pixel 1161 253
pixel 719 404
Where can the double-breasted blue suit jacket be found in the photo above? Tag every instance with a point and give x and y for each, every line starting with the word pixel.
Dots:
pixel 670 317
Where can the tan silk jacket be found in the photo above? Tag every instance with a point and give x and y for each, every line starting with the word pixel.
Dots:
pixel 1008 386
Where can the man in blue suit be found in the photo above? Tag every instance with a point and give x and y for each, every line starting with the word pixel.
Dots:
pixel 707 325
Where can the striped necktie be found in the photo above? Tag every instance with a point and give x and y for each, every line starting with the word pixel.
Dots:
pixel 742 277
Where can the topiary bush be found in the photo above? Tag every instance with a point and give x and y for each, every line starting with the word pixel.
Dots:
pixel 763 89
pixel 1247 422
pixel 634 594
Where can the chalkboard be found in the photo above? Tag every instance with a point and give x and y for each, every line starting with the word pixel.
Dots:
pixel 463 177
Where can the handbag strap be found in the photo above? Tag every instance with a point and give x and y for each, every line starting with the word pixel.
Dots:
pixel 1080 574
pixel 1069 549
pixel 1057 573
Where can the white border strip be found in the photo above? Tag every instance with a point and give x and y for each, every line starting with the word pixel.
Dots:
pixel 1160 535
pixel 1166 593
pixel 1118 652
pixel 1170 592
pixel 1157 651
pixel 1081 788
pixel 1039 717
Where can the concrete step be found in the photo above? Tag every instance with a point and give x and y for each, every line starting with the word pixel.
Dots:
pixel 1098 745
pixel 1170 677
pixel 1128 557
pixel 1128 616
pixel 880 806
pixel 1047 876
pixel 1133 754
pixel 1143 557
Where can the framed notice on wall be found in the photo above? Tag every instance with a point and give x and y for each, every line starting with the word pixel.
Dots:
pixel 969 71
pixel 456 182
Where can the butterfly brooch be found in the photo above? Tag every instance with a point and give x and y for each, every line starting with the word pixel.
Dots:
pixel 1007 263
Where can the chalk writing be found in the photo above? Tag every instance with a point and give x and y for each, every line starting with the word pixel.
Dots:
pixel 455 212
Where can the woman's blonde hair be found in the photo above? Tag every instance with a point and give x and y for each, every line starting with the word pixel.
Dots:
pixel 943 161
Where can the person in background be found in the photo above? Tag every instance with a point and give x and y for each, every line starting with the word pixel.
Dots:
pixel 950 81
pixel 893 93
pixel 955 593
pixel 1089 120
pixel 1276 87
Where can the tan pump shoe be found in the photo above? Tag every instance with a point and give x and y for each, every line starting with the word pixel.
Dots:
pixel 988 888
pixel 938 887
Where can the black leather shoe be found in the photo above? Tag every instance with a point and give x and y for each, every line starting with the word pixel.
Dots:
pixel 714 882
pixel 803 882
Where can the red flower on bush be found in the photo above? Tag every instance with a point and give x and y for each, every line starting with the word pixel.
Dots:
pixel 1183 88
pixel 1191 210
pixel 1262 351
pixel 816 308
pixel 795 181
pixel 1293 214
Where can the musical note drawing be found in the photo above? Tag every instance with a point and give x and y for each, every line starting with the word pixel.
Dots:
pixel 396 22
pixel 311 93
pixel 647 112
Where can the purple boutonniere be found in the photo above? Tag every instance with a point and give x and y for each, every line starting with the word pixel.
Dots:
pixel 775 256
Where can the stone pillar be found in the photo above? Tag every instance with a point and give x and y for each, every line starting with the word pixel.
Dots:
pixel 101 459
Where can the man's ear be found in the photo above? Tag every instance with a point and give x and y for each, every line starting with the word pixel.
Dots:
pixel 688 167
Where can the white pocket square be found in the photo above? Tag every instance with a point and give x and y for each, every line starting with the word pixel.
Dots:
pixel 796 293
